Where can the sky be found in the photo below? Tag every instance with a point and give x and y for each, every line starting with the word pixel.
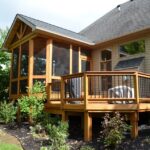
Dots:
pixel 74 15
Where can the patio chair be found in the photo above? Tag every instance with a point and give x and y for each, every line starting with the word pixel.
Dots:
pixel 121 91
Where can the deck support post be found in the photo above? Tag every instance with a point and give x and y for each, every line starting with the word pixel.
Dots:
pixel 64 116
pixel 87 126
pixel 134 124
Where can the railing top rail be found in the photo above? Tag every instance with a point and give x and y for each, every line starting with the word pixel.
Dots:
pixel 105 73
pixel 73 75
pixel 110 72
pixel 98 73
pixel 142 74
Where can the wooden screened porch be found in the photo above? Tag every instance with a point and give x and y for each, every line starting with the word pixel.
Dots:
pixel 100 92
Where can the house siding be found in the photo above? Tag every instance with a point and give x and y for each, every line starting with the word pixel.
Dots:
pixel 147 55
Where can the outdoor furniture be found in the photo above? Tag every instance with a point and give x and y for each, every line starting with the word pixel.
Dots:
pixel 121 91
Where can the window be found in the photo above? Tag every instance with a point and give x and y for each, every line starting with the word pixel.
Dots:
pixel 105 64
pixel 39 56
pixel 85 65
pixel 85 52
pixel 75 60
pixel 24 59
pixel 60 59
pixel 15 63
pixel 132 48
pixel 14 87
pixel 105 55
pixel 23 86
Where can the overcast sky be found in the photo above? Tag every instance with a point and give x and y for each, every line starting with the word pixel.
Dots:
pixel 71 14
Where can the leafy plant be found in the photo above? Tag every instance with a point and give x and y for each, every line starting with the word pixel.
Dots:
pixel 4 67
pixel 33 105
pixel 113 129
pixel 7 112
pixel 58 135
pixel 87 147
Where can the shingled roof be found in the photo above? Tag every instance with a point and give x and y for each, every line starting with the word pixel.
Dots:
pixel 130 63
pixel 127 18
pixel 55 29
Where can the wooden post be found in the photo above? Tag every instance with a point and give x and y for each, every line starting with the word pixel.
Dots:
pixel 79 54
pixel 70 70
pixel 48 66
pixel 64 116
pixel 62 91
pixel 31 61
pixel 85 91
pixel 134 124
pixel 19 67
pixel 11 72
pixel 87 126
pixel 136 86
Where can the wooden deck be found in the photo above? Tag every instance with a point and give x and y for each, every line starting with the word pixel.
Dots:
pixel 99 92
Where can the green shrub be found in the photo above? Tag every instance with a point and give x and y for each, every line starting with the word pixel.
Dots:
pixel 58 135
pixel 44 148
pixel 32 106
pixel 87 147
pixel 7 112
pixel 113 129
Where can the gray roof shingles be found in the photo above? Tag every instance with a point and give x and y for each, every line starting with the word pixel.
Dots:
pixel 130 63
pixel 55 29
pixel 132 16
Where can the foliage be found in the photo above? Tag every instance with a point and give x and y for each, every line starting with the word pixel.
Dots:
pixel 113 129
pixel 86 147
pixel 39 130
pixel 33 105
pixel 4 67
pixel 6 146
pixel 58 134
pixel 7 112
pixel 134 47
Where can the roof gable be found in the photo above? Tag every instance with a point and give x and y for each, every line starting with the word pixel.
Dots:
pixel 35 24
pixel 18 29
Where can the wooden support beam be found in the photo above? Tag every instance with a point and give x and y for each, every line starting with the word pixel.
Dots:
pixel 19 67
pixel 64 116
pixel 31 61
pixel 87 126
pixel 48 66
pixel 79 53
pixel 134 124
pixel 70 70
pixel 10 77
pixel 86 91
pixel 136 87
pixel 62 94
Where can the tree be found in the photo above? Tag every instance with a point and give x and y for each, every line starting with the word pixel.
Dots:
pixel 4 67
pixel 134 47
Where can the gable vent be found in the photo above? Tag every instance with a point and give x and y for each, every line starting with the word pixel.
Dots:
pixel 119 7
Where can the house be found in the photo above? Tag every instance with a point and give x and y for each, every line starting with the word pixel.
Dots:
pixel 106 66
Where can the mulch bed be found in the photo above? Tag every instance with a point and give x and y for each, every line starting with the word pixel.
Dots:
pixel 23 134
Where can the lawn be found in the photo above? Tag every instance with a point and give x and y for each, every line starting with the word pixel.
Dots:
pixel 6 146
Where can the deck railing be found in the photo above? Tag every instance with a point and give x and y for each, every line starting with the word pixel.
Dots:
pixel 101 87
